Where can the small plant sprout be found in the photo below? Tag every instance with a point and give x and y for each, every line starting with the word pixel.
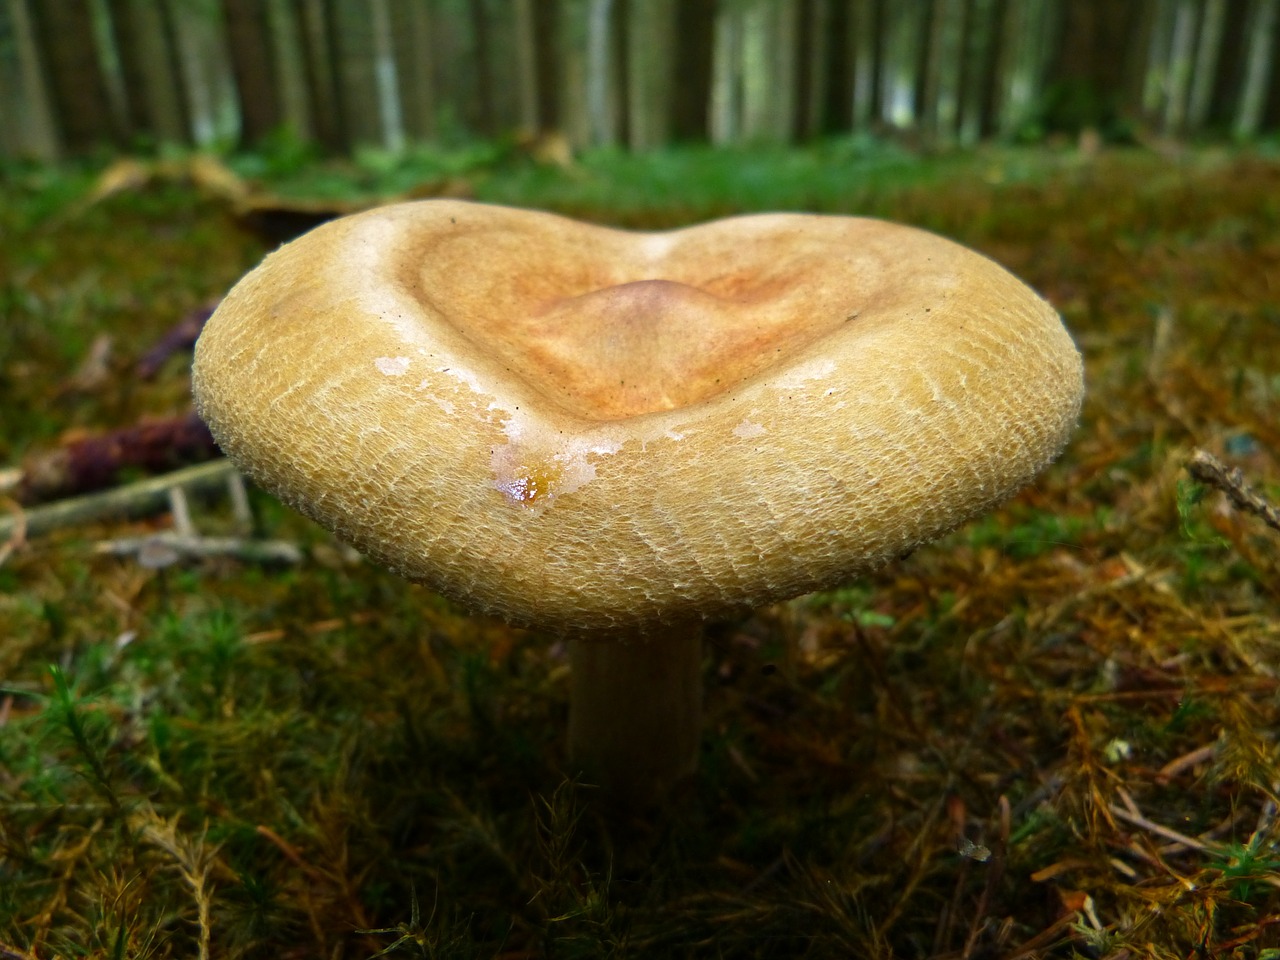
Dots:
pixel 617 436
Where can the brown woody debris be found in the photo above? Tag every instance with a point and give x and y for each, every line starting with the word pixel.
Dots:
pixel 95 462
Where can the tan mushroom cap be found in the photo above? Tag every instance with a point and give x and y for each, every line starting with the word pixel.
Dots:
pixel 583 428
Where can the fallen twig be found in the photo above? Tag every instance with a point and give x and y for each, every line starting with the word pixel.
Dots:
pixel 1186 761
pixel 1208 469
pixel 188 547
pixel 135 499
pixel 1138 820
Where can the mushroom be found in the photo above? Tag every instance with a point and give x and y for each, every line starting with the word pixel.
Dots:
pixel 618 436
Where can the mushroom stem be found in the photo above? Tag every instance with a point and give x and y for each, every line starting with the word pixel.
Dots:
pixel 635 709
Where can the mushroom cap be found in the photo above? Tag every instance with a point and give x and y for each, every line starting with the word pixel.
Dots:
pixel 584 429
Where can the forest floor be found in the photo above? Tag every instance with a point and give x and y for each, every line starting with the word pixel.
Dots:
pixel 1052 734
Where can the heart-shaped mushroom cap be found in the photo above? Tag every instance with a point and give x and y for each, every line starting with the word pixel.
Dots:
pixel 584 428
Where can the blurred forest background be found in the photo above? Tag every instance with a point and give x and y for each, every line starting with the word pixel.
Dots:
pixel 76 75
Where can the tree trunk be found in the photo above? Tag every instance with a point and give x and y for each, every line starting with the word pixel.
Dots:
pixel 838 91
pixel 602 116
pixel 386 81
pixel 1014 38
pixel 355 66
pixel 975 51
pixel 650 42
pixel 12 92
pixel 904 36
pixel 620 75
pixel 989 96
pixel 201 46
pixel 1132 57
pixel 1045 33
pixel 252 59
pixel 942 69
pixel 547 65
pixel 758 78
pixel 1205 70
pixel 1181 60
pixel 1085 78
pixel 155 89
pixel 73 71
pixel 928 72
pixel 1271 115
pixel 727 91
pixel 1258 66
pixel 1231 62
pixel 526 67
pixel 290 72
pixel 413 41
pixel 769 32
pixel 810 68
pixel 571 50
pixel 1157 74
pixel 504 67
pixel 1024 62
pixel 31 131
pixel 486 122
pixel 320 63
pixel 691 93
pixel 130 43
pixel 867 39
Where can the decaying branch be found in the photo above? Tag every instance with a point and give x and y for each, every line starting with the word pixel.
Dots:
pixel 95 462
pixel 181 336
pixel 1208 469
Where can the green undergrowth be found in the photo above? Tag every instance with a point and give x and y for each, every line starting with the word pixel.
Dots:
pixel 1052 735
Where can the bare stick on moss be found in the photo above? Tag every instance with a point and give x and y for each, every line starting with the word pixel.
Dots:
pixel 1208 469
pixel 145 496
pixel 180 547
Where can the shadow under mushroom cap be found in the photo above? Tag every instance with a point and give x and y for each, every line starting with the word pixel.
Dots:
pixel 582 428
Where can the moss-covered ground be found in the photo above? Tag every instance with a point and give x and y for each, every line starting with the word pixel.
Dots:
pixel 1051 735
